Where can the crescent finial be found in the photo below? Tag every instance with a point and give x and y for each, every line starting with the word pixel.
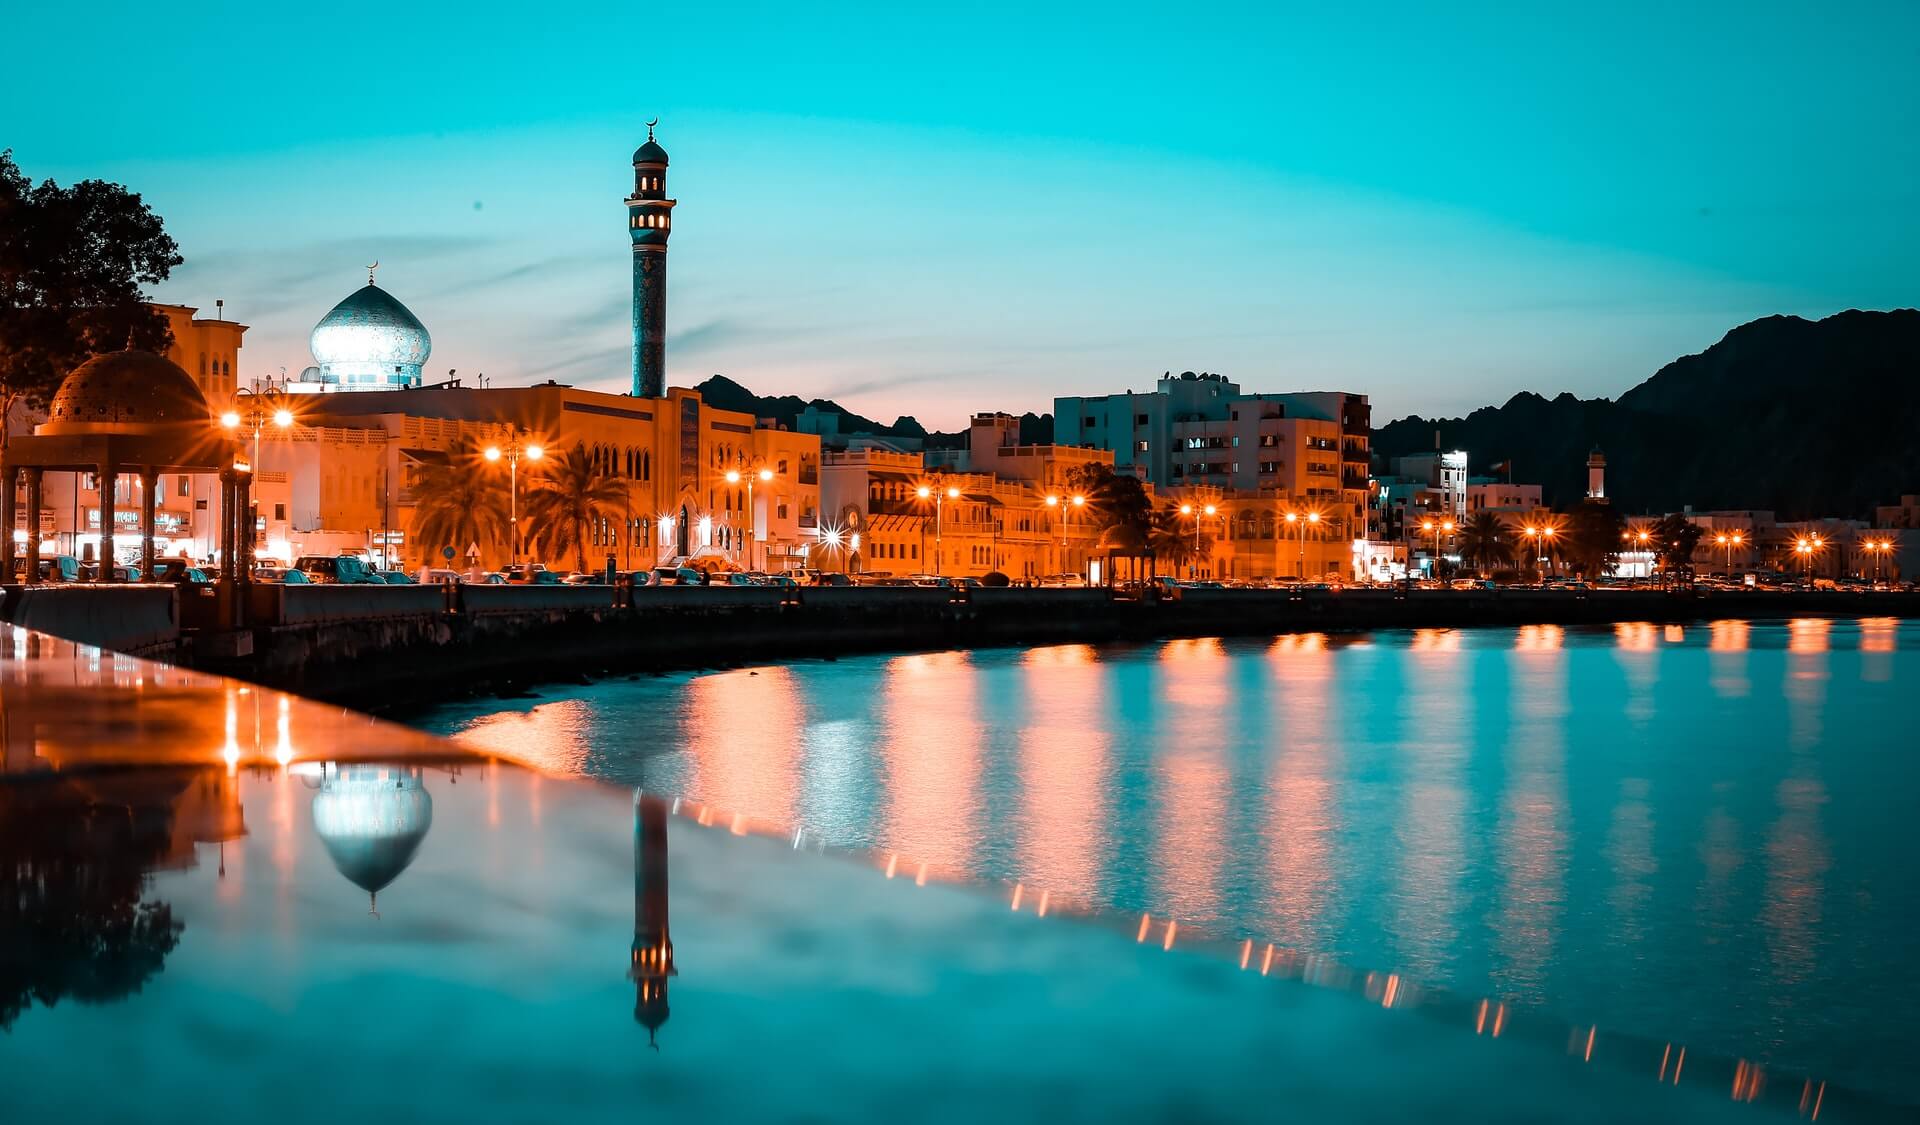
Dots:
pixel 370 269
pixel 650 125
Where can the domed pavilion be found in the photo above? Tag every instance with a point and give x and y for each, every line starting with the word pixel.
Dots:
pixel 125 413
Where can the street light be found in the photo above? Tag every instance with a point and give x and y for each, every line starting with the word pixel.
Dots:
pixel 1878 549
pixel 1729 540
pixel 939 496
pixel 1806 546
pixel 1436 527
pixel 255 410
pixel 764 475
pixel 1066 504
pixel 514 450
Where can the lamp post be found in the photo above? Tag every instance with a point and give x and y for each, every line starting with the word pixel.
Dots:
pixel 1806 546
pixel 1065 504
pixel 1728 541
pixel 939 497
pixel 1436 527
pixel 515 449
pixel 1878 549
pixel 765 476
pixel 254 410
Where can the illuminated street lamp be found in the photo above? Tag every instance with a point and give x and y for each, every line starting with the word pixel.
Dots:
pixel 1433 527
pixel 764 476
pixel 1878 549
pixel 1806 546
pixel 515 449
pixel 1066 504
pixel 939 496
pixel 1728 541
pixel 255 411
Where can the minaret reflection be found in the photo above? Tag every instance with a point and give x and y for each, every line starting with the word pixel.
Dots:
pixel 652 951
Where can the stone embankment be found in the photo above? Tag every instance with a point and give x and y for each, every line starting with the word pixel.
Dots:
pixel 387 647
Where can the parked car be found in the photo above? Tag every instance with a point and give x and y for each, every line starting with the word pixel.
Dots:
pixel 527 573
pixel 678 576
pixel 181 572
pixel 437 576
pixel 345 570
pixel 782 580
pixel 91 573
pixel 395 577
pixel 831 578
pixel 732 578
pixel 58 568
pixel 492 578
pixel 583 579
pixel 284 575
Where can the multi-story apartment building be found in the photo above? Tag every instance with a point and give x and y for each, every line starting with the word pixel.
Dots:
pixel 1307 452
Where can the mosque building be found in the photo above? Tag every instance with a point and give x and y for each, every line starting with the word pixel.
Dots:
pixel 368 342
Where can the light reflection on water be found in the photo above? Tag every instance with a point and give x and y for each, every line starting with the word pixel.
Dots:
pixel 1691 833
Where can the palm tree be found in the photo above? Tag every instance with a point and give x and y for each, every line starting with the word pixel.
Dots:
pixel 458 503
pixel 1484 542
pixel 570 497
pixel 1172 538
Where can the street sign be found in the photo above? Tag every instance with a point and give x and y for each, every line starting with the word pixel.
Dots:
pixel 446 553
pixel 473 550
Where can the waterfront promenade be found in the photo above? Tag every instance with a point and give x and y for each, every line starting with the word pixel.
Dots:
pixel 382 647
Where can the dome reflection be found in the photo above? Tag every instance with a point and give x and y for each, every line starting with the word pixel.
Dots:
pixel 371 819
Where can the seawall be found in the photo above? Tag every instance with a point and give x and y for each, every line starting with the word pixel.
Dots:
pixel 510 637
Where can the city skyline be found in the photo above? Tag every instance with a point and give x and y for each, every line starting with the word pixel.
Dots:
pixel 1571 209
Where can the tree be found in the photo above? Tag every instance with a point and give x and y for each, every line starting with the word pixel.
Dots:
pixel 458 502
pixel 1485 543
pixel 1591 538
pixel 564 503
pixel 72 264
pixel 1114 498
pixel 1173 539
pixel 1674 538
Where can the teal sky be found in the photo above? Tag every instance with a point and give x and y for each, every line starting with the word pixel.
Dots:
pixel 932 211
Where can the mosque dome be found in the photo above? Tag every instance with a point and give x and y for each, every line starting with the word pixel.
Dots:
pixel 650 153
pixel 371 819
pixel 370 341
pixel 125 392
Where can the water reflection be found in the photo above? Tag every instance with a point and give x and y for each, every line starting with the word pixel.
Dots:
pixel 1610 822
pixel 1190 778
pixel 931 751
pixel 1302 813
pixel 75 858
pixel 1531 834
pixel 371 819
pixel 652 952
pixel 1060 819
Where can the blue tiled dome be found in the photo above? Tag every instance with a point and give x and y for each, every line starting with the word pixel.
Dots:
pixel 371 338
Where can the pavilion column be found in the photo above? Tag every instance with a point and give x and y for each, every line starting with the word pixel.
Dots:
pixel 149 485
pixel 227 524
pixel 9 515
pixel 109 479
pixel 34 476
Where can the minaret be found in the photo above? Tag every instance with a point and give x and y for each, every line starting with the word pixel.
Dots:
pixel 649 221
pixel 1596 475
pixel 652 951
